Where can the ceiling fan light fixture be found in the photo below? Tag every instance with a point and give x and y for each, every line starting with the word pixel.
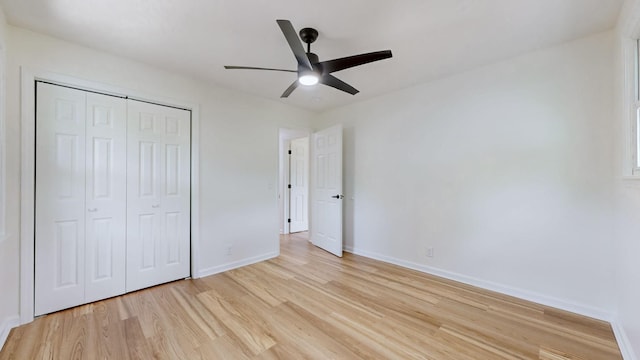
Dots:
pixel 308 79
pixel 311 70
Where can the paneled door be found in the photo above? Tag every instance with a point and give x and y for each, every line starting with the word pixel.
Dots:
pixel 158 194
pixel 80 197
pixel 106 196
pixel 299 181
pixel 326 175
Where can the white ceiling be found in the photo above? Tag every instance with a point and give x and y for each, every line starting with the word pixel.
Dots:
pixel 429 38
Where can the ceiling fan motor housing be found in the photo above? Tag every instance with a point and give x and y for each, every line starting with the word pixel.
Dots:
pixel 308 35
pixel 315 63
pixel 313 58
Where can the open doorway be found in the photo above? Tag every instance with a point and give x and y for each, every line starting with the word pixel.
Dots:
pixel 293 189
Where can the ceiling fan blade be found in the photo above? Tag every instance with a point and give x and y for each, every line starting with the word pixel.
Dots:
pixel 330 66
pixel 229 67
pixel 334 82
pixel 294 43
pixel 290 89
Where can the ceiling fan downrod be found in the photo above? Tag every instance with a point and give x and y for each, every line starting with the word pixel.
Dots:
pixel 308 35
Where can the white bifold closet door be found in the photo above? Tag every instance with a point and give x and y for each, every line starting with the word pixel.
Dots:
pixel 158 188
pixel 112 196
pixel 80 197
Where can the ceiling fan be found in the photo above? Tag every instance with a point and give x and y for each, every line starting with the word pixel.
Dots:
pixel 310 69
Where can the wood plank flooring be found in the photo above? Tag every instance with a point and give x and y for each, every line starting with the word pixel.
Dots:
pixel 308 304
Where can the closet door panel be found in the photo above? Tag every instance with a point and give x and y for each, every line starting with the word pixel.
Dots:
pixel 144 163
pixel 60 198
pixel 105 196
pixel 158 169
pixel 177 192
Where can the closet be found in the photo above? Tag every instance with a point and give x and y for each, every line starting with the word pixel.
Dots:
pixel 112 196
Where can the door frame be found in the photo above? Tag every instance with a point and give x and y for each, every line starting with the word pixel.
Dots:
pixel 286 177
pixel 285 135
pixel 28 77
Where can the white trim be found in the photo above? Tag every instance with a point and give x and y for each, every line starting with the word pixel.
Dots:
pixel 628 31
pixel 3 107
pixel 286 192
pixel 6 326
pixel 237 264
pixel 629 48
pixel 538 298
pixel 27 196
pixel 623 341
pixel 195 190
pixel 630 177
pixel 629 20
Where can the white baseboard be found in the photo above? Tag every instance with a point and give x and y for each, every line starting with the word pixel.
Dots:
pixel 542 299
pixel 6 326
pixel 236 264
pixel 623 341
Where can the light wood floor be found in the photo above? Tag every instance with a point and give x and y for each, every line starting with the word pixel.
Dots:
pixel 308 304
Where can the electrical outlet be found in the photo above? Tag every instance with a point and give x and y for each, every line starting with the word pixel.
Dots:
pixel 229 250
pixel 429 252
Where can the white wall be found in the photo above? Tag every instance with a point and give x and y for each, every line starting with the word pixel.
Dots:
pixel 626 189
pixel 504 170
pixel 8 237
pixel 627 261
pixel 238 151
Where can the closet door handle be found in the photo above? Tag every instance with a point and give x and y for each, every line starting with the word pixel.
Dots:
pixel 92 210
pixel 155 206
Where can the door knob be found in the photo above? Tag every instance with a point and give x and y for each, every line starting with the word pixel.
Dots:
pixel 338 196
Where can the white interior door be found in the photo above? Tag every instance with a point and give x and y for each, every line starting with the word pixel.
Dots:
pixel 299 181
pixel 158 194
pixel 60 198
pixel 326 165
pixel 106 196
pixel 80 197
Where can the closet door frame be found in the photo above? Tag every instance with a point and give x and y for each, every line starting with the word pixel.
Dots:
pixel 27 172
